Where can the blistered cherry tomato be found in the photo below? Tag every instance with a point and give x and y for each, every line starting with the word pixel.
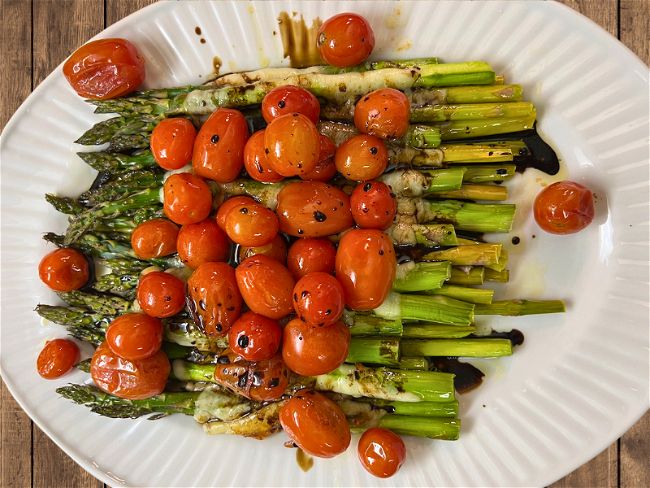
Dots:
pixel 134 336
pixel 316 424
pixel 172 141
pixel 187 198
pixel 345 40
pixel 288 99
pixel 310 350
pixel 255 337
pixel 362 157
pixel 57 358
pixel 133 380
pixel 318 299
pixel 373 205
pixel 219 146
pixel 255 161
pixel 564 207
pixel 266 286
pixel 161 294
pixel 292 144
pixel 214 297
pixel 383 113
pixel 64 269
pixel 311 256
pixel 201 243
pixel 154 238
pixel 105 68
pixel 365 266
pixel 261 381
pixel 381 452
pixel 276 249
pixel 313 209
pixel 252 225
pixel 225 208
pixel 325 168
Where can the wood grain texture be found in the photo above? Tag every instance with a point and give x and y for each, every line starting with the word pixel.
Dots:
pixel 118 9
pixel 635 27
pixel 635 455
pixel 603 12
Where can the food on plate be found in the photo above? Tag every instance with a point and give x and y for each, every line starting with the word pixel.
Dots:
pixel 172 142
pixel 57 358
pixel 134 336
pixel 564 207
pixel 64 269
pixel 381 452
pixel 383 113
pixel 345 40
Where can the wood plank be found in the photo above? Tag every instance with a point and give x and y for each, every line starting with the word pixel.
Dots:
pixel 603 12
pixel 635 27
pixel 118 9
pixel 635 453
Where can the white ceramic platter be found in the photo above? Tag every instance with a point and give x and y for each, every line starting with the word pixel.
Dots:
pixel 579 381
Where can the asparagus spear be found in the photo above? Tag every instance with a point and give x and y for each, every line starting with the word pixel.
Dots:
pixel 374 350
pixel 476 255
pixel 437 309
pixel 78 322
pixel 521 307
pixel 429 235
pixel 437 331
pixel 113 162
pixel 121 186
pixel 412 276
pixel 98 303
pixel 364 324
pixel 492 193
pixel 121 284
pixel 456 347
pixel 66 205
pixel 466 294
pixel 467 275
pixel 122 133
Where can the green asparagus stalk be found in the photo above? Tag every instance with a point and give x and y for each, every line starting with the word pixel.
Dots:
pixel 414 183
pixel 491 193
pixel 521 307
pixel 112 162
pixel 66 205
pixel 122 186
pixel 104 304
pixel 482 348
pixel 414 363
pixel 184 332
pixel 467 275
pixel 374 350
pixel 471 295
pixel 78 322
pixel 417 136
pixel 468 129
pixel 121 133
pixel 437 309
pixel 362 324
pixel 431 427
pixel 418 409
pixel 497 276
pixel 405 233
pixel 437 331
pixel 123 285
pixel 489 173
pixel 411 276
pixel 477 255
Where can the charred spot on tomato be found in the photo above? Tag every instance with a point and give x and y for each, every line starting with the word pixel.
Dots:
pixel 374 150
pixel 274 382
pixel 328 311
pixel 242 341
pixel 381 252
pixel 295 297
pixel 300 231
pixel 304 294
pixel 230 309
pixel 242 380
pixel 257 378
pixel 202 305
pixel 214 139
pixel 243 210
pixel 367 187
pixel 267 150
pixel 219 327
pixel 320 216
pixel 223 360
pixel 281 104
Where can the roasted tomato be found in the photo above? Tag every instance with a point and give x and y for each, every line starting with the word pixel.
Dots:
pixel 202 242
pixel 564 207
pixel 225 208
pixel 316 424
pixel 172 141
pixel 187 199
pixel 161 294
pixel 214 297
pixel 276 249
pixel 362 157
pixel 266 286
pixel 310 350
pixel 261 381
pixel 133 380
pixel 57 358
pixel 255 162
pixel 105 68
pixel 289 99
pixel 383 113
pixel 381 452
pixel 345 40
pixel 313 209
pixel 373 205
pixel 325 168
pixel 134 336
pixel 310 256
pixel 154 238
pixel 318 299
pixel 252 225
pixel 292 144
pixel 219 146
pixel 365 266
pixel 64 269
pixel 255 337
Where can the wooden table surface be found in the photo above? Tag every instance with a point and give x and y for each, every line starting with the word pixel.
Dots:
pixel 38 34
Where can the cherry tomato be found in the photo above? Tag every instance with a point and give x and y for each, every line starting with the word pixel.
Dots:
pixel 252 225
pixel 255 337
pixel 316 424
pixel 318 299
pixel 161 294
pixel 365 266
pixel 172 141
pixel 57 358
pixel 154 238
pixel 345 40
pixel 373 205
pixel 362 157
pixel 225 208
pixel 187 199
pixel 261 381
pixel 266 286
pixel 133 380
pixel 134 336
pixel 288 99
pixel 64 269
pixel 292 144
pixel 105 68
pixel 383 113
pixel 214 297
pixel 313 209
pixel 381 452
pixel 311 350
pixel 255 161
pixel 201 243
pixel 325 168
pixel 276 249
pixel 310 256
pixel 219 146
pixel 564 207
